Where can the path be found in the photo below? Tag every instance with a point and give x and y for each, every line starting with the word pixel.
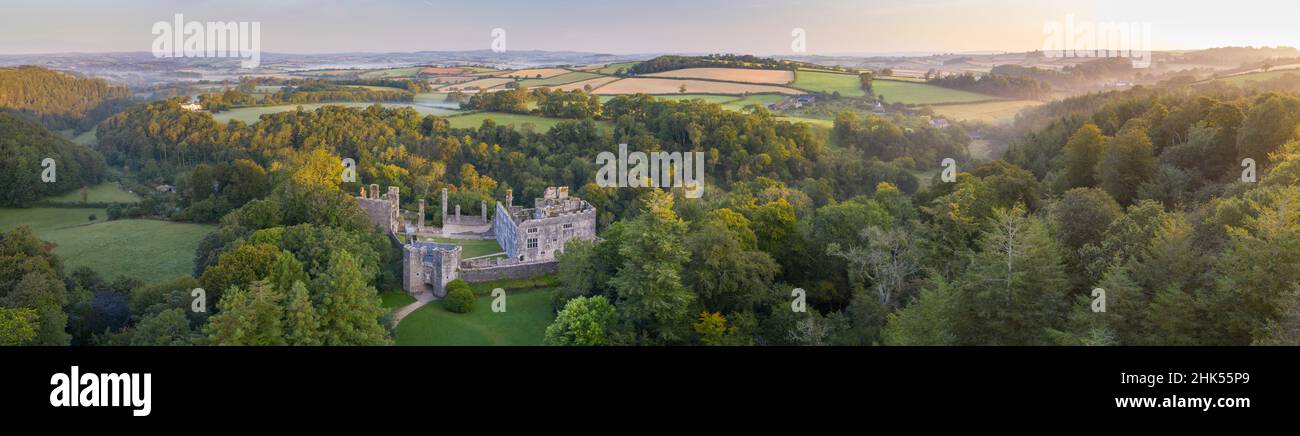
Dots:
pixel 420 300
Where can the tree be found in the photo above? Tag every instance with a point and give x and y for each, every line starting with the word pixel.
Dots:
pixel 1013 292
pixel 929 320
pixel 252 317
pixel 582 321
pixel 727 275
pixel 350 309
pixel 167 328
pixel 1127 161
pixel 301 326
pixel 242 266
pixel 460 298
pixel 652 301
pixel 18 326
pixel 1081 155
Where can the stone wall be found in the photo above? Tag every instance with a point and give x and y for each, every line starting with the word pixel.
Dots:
pixel 518 271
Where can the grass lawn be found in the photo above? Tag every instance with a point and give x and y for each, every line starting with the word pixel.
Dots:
pixel 251 114
pixel 542 124
pixel 992 112
pixel 562 79
pixel 919 93
pixel 473 247
pixel 524 322
pixel 1257 77
pixel 149 250
pixel 758 99
pixel 107 192
pixel 847 85
pixel 395 299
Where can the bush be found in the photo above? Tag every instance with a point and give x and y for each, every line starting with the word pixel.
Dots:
pixel 460 299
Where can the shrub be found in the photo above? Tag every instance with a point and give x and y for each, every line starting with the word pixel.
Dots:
pixel 460 299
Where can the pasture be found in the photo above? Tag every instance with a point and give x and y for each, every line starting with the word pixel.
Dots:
pixel 992 112
pixel 534 73
pixel 747 75
pixel 894 91
pixel 613 68
pixel 107 192
pixel 148 250
pixel 848 85
pixel 650 85
pixel 595 83
pixel 481 84
pixel 561 79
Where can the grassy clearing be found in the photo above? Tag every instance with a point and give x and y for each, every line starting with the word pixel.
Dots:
pixel 107 192
pixel 524 322
pixel 758 99
pixel 149 250
pixel 848 85
pixel 252 114
pixel 542 124
pixel 1243 79
pixel 86 138
pixel 473 247
pixel 993 112
pixel 919 93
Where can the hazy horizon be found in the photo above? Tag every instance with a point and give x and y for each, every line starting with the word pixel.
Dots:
pixel 668 26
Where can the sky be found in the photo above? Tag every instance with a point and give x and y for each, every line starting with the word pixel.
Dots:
pixel 762 27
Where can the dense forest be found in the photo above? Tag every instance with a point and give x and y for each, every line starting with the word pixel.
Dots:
pixel 995 84
pixel 59 100
pixel 25 145
pixel 675 62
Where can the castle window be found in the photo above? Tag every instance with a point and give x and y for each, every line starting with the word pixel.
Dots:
pixel 532 242
pixel 532 230
pixel 568 225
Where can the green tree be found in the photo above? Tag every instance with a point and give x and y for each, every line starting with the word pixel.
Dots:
pixel 651 298
pixel 18 326
pixel 582 321
pixel 460 298
pixel 1081 155
pixel 929 320
pixel 301 326
pixel 1127 161
pixel 168 328
pixel 252 317
pixel 350 309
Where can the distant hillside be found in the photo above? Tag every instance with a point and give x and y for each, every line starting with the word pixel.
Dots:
pixel 674 62
pixel 24 145
pixel 59 100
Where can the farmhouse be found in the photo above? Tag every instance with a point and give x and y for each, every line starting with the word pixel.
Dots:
pixel 531 238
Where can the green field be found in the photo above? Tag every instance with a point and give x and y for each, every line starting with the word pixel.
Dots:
pixel 149 250
pixel 542 124
pixel 1257 77
pixel 251 114
pixel 993 112
pixel 86 138
pixel 576 76
pixel 107 192
pixel 524 322
pixel 758 99
pixel 389 73
pixel 895 91
pixel 435 99
pixel 472 247
pixel 846 84
pixel 613 68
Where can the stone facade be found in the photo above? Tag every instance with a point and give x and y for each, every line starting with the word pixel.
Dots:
pixel 539 234
pixel 383 210
pixel 429 265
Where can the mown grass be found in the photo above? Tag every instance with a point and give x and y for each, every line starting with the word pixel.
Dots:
pixel 107 192
pixel 472 247
pixel 148 250
pixel 524 322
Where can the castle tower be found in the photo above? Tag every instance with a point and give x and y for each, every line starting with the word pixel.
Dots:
pixel 374 191
pixel 420 225
pixel 444 206
pixel 458 214
pixel 483 207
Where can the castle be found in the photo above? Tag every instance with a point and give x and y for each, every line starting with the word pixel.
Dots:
pixel 531 238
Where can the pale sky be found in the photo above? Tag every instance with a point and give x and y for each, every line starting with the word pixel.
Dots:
pixel 642 26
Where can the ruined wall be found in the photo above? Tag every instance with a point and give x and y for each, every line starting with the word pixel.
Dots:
pixel 518 271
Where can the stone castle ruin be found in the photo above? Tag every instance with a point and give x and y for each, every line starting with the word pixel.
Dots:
pixel 530 238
